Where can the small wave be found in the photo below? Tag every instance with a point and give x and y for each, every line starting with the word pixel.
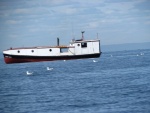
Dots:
pixel 95 61
pixel 142 54
pixel 84 105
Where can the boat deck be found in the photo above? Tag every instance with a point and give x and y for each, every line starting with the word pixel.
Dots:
pixel 42 47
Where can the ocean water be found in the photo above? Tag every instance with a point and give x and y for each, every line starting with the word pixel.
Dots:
pixel 118 82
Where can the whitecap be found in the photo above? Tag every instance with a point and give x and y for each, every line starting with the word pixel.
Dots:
pixel 142 53
pixel 95 61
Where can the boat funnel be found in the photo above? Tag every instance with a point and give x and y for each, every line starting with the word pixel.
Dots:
pixel 82 34
pixel 57 41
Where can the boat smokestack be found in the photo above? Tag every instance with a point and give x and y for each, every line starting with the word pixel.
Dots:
pixel 82 34
pixel 57 41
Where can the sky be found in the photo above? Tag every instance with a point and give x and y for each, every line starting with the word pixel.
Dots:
pixel 30 23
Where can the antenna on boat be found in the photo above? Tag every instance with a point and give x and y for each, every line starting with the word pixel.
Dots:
pixel 82 34
pixel 97 35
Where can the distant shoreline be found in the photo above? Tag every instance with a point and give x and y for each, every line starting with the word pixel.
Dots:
pixel 126 46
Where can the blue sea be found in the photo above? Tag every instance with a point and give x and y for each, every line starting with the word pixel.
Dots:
pixel 117 82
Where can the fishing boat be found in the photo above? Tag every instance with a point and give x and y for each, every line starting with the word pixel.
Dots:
pixel 77 49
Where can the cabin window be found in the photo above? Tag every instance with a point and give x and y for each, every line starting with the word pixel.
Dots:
pixel 32 51
pixel 63 50
pixel 50 50
pixel 83 44
pixel 78 44
pixel 18 51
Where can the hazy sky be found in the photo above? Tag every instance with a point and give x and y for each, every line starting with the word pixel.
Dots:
pixel 40 22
